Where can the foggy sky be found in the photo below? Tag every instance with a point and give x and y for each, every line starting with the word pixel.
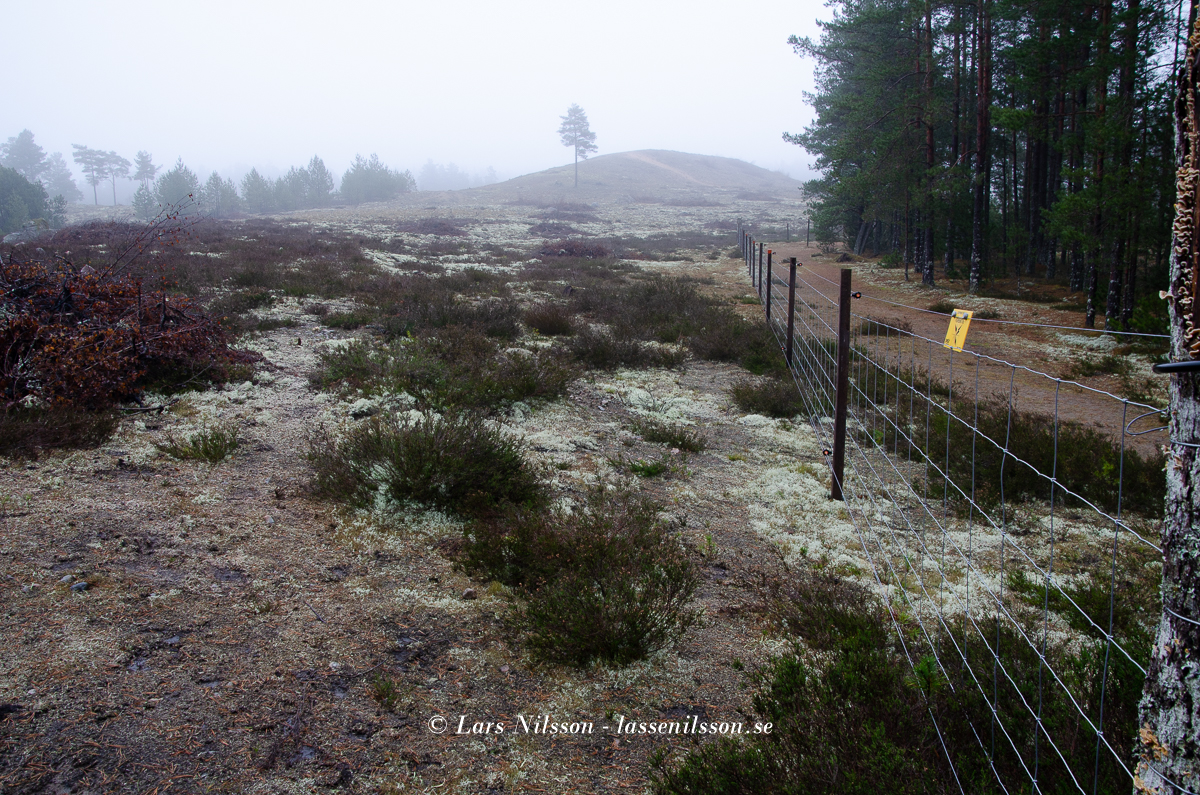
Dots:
pixel 230 85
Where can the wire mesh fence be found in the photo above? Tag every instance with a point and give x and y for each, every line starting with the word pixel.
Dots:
pixel 1013 542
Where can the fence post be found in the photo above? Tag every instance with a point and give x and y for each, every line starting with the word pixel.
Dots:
pixel 760 268
pixel 843 378
pixel 769 252
pixel 791 310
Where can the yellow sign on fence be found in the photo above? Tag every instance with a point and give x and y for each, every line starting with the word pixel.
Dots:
pixel 956 335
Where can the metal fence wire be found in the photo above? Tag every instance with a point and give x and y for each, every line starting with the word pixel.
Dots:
pixel 1013 542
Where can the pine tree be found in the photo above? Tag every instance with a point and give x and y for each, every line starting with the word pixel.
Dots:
pixel 144 168
pixel 575 133
pixel 92 162
pixel 58 179
pixel 115 167
pixel 144 206
pixel 320 183
pixel 258 192
pixel 219 197
pixel 177 186
pixel 21 154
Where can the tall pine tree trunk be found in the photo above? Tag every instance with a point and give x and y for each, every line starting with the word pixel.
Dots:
pixel 1126 83
pixel 1098 220
pixel 954 155
pixel 927 263
pixel 983 128
pixel 1169 712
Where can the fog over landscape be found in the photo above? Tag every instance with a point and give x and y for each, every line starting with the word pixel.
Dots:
pixel 473 89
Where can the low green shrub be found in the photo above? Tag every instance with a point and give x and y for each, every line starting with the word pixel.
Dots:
pixel 239 302
pixel 1105 365
pixel 456 368
pixel 1083 459
pixel 458 463
pixel 726 336
pixel 605 350
pixel 385 691
pixel 672 434
pixel 846 726
pixel 857 713
pixel 212 444
pixel 604 582
pixel 549 319
pixel 351 320
pixel 773 397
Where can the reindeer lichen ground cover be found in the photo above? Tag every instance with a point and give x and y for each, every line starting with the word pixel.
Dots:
pixel 210 624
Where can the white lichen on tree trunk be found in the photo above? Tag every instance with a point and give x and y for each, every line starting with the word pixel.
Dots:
pixel 1169 738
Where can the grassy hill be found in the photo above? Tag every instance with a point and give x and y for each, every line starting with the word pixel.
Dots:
pixel 649 175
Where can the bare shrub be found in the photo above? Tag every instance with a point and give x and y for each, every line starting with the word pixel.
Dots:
pixel 88 338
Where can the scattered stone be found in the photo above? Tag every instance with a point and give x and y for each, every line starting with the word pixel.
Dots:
pixel 469 593
pixel 80 586
pixel 67 579
pixel 504 669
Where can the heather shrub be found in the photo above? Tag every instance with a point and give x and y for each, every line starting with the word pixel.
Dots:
pixel 773 397
pixel 456 368
pixel 457 463
pixel 549 319
pixel 672 434
pixel 849 709
pixel 604 582
pixel 607 350
pixel 212 444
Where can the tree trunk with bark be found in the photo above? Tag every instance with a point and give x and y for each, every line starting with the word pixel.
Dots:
pixel 1169 738
pixel 983 127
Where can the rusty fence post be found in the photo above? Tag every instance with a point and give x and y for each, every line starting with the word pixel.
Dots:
pixel 791 310
pixel 843 388
pixel 769 276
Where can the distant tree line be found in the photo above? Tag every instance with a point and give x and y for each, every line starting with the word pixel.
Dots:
pixel 30 178
pixel 1000 139
pixel 367 180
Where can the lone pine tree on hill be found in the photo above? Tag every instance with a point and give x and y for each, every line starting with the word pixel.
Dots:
pixel 575 132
